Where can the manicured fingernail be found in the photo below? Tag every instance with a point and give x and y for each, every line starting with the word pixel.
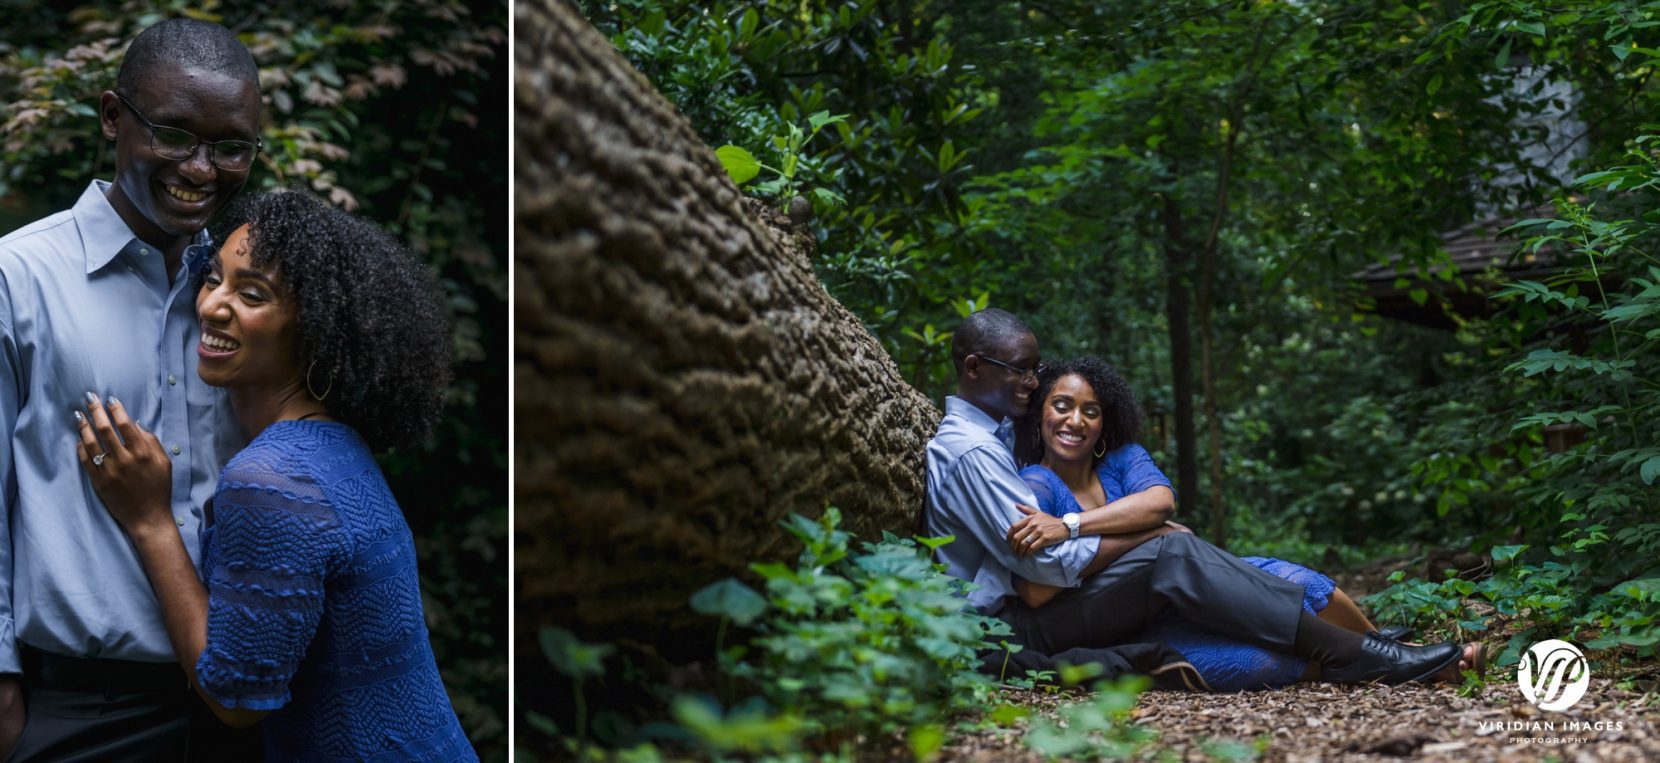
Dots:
pixel 79 419
pixel 113 401
pixel 91 399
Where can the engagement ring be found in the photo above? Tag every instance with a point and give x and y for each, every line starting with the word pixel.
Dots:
pixel 98 460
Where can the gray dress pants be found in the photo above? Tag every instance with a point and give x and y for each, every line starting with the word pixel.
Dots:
pixel 1177 573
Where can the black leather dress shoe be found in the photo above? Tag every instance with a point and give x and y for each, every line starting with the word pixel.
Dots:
pixel 1396 633
pixel 1391 662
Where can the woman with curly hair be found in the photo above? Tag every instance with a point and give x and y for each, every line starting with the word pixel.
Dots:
pixel 1078 448
pixel 330 340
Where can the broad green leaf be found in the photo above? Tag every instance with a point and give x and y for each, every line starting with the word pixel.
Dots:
pixel 542 723
pixel 1631 311
pixel 740 165
pixel 771 570
pixel 747 731
pixel 933 544
pixel 730 599
pixel 1625 639
pixel 571 656
pixel 828 197
pixel 820 119
pixel 1434 85
pixel 1005 715
pixel 926 741
pixel 1650 470
pixel 1074 675
pixel 1507 553
pixel 1641 588
pixel 1591 178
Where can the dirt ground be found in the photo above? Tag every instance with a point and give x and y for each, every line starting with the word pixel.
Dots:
pixel 1615 721
pixel 1317 722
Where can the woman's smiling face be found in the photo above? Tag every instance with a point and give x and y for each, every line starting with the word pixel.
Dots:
pixel 248 321
pixel 1072 420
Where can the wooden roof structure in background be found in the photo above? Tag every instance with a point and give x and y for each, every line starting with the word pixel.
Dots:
pixel 1482 256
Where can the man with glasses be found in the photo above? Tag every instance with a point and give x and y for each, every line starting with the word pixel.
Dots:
pixel 96 302
pixel 1117 585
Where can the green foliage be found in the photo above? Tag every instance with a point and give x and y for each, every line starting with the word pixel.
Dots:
pixel 862 108
pixel 794 168
pixel 1596 372
pixel 871 642
pixel 729 600
pixel 1271 150
pixel 844 644
pixel 744 730
pixel 571 656
pixel 1098 728
pixel 398 111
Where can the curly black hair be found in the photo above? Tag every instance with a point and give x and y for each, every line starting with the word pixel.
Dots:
pixel 1121 415
pixel 371 314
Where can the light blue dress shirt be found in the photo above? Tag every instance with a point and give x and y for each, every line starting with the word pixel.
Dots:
pixel 972 489
pixel 86 306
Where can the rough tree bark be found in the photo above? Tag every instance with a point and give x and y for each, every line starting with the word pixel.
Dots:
pixel 1181 347
pixel 683 381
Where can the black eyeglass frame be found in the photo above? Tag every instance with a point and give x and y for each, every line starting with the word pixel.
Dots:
pixel 196 142
pixel 1024 372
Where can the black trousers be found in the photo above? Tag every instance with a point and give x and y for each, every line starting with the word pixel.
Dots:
pixel 1176 573
pixel 113 710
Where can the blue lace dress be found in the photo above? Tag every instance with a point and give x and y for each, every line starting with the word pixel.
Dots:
pixel 1226 664
pixel 314 606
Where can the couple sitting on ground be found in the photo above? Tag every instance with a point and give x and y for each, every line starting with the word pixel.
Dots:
pixel 1117 584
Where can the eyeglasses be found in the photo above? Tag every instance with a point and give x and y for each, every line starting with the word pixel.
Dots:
pixel 1025 373
pixel 178 145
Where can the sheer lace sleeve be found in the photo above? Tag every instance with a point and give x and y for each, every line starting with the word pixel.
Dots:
pixel 1136 471
pixel 1053 496
pixel 272 545
pixel 1037 478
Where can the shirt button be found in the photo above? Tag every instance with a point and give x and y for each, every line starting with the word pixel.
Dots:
pixel 171 379
pixel 180 520
pixel 176 452
pixel 142 250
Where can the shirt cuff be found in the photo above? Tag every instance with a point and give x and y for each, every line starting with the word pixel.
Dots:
pixel 10 661
pixel 1075 555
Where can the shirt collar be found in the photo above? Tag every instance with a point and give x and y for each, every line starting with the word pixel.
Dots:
pixel 971 413
pixel 104 235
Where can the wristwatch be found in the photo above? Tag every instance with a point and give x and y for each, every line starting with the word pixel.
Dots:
pixel 1071 522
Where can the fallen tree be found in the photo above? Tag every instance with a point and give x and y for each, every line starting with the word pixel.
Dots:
pixel 682 379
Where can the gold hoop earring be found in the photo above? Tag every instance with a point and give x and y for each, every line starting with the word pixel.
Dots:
pixel 313 390
pixel 1101 448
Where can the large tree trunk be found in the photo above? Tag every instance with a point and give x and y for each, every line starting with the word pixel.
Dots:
pixel 1207 329
pixel 1181 349
pixel 683 379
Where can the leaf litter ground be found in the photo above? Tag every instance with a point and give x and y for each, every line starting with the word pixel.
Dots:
pixel 1315 722
pixel 1322 722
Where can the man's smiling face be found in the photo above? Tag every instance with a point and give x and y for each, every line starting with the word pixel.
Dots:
pixel 166 199
pixel 997 389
